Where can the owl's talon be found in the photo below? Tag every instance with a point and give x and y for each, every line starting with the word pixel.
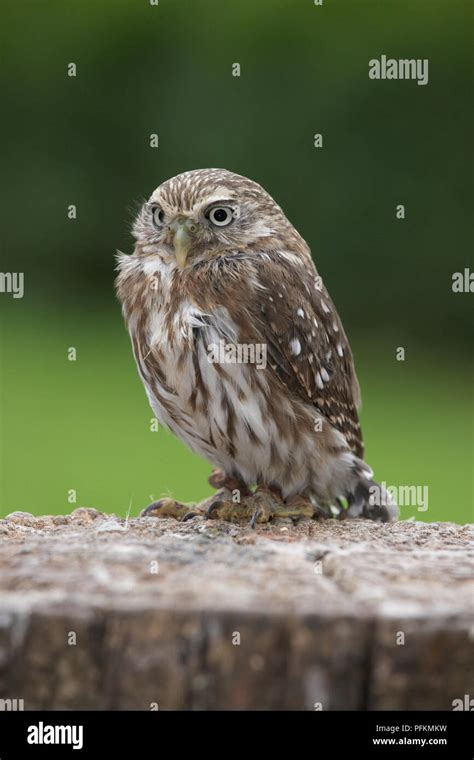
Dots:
pixel 167 508
pixel 254 518
pixel 212 509
pixel 189 516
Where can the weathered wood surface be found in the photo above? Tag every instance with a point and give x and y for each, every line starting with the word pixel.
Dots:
pixel 332 615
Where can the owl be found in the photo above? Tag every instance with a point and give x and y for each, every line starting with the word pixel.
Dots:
pixel 243 355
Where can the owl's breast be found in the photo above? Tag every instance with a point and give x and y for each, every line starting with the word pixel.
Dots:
pixel 230 411
pixel 215 406
pixel 170 346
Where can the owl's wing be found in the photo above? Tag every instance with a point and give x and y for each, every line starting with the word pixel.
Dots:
pixel 307 347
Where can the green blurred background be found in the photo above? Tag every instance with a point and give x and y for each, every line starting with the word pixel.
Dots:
pixel 167 69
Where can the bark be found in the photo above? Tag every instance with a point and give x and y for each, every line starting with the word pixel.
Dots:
pixel 100 613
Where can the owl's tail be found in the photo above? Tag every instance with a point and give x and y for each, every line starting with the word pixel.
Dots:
pixel 371 500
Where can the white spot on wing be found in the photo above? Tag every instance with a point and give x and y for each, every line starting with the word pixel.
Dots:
pixel 295 346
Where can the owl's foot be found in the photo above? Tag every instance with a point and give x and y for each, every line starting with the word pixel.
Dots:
pixel 169 508
pixel 264 505
pixel 261 507
pixel 270 508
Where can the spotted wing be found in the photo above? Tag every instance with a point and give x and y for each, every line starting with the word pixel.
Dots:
pixel 306 343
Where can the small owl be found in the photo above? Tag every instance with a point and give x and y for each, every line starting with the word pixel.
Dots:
pixel 243 355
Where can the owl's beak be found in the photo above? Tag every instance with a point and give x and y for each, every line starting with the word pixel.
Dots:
pixel 182 240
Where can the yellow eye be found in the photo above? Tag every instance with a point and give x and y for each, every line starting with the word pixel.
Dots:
pixel 221 216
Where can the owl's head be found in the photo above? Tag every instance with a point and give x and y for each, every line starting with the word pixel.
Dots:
pixel 204 212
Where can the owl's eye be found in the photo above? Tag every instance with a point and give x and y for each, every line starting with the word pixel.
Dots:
pixel 221 216
pixel 158 216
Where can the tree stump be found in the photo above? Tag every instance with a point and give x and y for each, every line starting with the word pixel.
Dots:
pixel 101 613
